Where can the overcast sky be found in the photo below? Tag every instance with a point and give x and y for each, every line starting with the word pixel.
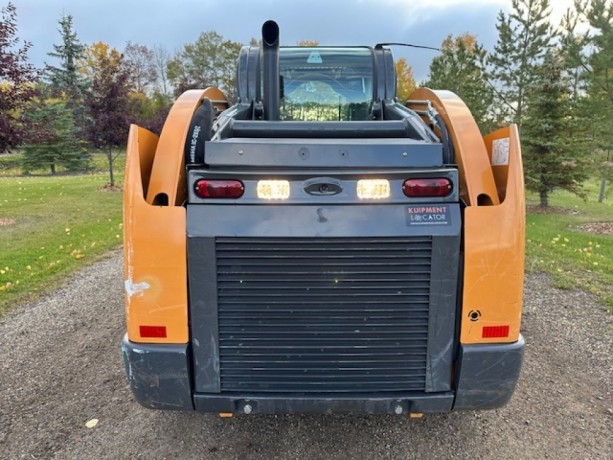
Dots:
pixel 172 23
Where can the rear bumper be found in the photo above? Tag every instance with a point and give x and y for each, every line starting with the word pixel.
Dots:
pixel 397 403
pixel 487 374
pixel 160 378
pixel 159 375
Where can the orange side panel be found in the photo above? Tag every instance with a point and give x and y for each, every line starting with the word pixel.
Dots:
pixel 476 176
pixel 494 248
pixel 154 251
pixel 168 172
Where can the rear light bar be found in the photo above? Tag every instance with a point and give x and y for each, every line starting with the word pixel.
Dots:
pixel 427 187
pixel 219 188
pixel 424 187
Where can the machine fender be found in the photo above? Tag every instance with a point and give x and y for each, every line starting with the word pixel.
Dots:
pixel 477 184
pixel 167 186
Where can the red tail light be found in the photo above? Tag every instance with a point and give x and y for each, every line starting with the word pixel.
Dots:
pixel 427 187
pixel 218 188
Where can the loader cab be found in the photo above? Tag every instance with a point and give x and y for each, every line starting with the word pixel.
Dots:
pixel 326 84
pixel 322 83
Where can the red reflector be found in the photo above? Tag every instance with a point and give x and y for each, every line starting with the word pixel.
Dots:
pixel 218 188
pixel 427 187
pixel 153 331
pixel 495 331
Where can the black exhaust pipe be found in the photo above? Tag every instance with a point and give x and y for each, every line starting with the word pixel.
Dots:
pixel 270 51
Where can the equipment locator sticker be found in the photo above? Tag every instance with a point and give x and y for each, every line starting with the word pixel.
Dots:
pixel 428 215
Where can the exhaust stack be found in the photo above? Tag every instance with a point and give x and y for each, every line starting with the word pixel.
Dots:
pixel 270 51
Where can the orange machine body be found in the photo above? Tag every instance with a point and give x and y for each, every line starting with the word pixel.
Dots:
pixel 370 262
pixel 491 177
pixel 154 234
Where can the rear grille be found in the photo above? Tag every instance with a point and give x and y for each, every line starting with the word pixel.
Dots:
pixel 323 314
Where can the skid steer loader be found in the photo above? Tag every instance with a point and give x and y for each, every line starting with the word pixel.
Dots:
pixel 320 247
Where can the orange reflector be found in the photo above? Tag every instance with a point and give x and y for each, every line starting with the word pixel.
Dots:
pixel 495 331
pixel 153 331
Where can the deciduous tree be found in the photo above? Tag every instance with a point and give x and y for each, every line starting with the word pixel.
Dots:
pixel 161 58
pixel 108 103
pixel 305 43
pixel 149 111
pixel 98 57
pixel 141 64
pixel 405 81
pixel 210 61
pixel 17 81
pixel 458 69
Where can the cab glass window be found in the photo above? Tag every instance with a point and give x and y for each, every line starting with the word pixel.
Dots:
pixel 326 84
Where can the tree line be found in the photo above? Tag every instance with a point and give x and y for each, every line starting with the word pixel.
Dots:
pixel 89 94
pixel 554 82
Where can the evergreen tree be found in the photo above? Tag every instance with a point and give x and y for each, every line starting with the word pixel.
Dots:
pixel 550 162
pixel 54 140
pixel 65 80
pixel 572 46
pixel 457 69
pixel 524 36
pixel 599 66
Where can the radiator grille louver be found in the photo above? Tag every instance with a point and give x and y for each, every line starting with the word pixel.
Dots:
pixel 323 314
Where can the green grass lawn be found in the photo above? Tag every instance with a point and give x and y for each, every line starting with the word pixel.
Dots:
pixel 556 244
pixel 10 163
pixel 52 226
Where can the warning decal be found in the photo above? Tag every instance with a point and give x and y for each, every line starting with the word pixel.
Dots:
pixel 500 152
pixel 428 215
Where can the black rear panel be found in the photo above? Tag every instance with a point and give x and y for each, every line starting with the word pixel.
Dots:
pixel 310 300
pixel 323 314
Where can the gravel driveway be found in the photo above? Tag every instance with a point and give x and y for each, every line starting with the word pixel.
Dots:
pixel 60 366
